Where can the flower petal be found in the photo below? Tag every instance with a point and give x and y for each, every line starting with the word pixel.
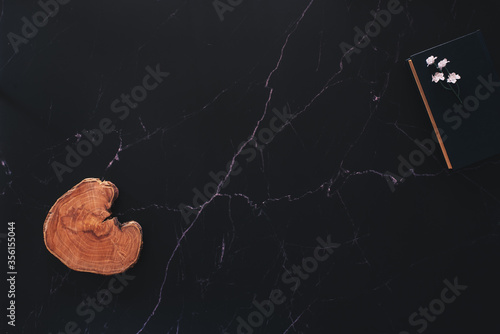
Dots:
pixel 430 60
pixel 443 63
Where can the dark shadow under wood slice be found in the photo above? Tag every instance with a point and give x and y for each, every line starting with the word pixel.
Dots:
pixel 79 232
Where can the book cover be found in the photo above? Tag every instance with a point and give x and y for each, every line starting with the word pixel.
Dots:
pixel 461 93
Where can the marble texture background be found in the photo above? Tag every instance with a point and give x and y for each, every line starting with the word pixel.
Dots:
pixel 308 233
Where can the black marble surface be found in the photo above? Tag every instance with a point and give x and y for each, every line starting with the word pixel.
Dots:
pixel 310 134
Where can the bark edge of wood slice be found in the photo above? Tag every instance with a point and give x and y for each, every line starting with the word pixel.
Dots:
pixel 78 230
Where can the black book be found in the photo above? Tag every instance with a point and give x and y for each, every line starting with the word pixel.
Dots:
pixel 462 98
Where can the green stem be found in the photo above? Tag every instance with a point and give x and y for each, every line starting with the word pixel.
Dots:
pixel 444 86
pixel 457 93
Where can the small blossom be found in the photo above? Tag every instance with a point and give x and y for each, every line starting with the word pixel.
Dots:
pixel 443 63
pixel 453 77
pixel 430 60
pixel 437 76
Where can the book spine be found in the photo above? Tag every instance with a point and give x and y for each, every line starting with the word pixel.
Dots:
pixel 429 112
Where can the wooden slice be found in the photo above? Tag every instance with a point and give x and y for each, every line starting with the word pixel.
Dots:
pixel 79 232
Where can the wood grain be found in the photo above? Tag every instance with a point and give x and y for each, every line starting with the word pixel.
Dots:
pixel 78 230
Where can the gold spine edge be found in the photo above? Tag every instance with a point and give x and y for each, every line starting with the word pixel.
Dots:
pixel 429 112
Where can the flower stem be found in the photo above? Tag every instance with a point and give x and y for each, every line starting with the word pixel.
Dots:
pixel 450 87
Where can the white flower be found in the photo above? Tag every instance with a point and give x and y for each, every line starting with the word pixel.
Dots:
pixel 437 76
pixel 453 77
pixel 430 60
pixel 443 63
